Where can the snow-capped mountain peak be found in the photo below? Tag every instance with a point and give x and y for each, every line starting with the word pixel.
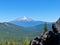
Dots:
pixel 26 22
pixel 24 18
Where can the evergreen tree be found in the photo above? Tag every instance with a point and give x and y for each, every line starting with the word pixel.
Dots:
pixel 45 27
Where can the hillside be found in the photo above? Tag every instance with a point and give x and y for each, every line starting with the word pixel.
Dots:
pixel 8 31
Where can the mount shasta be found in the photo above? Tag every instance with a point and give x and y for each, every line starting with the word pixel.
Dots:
pixel 26 22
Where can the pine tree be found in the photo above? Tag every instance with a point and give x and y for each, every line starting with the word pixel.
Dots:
pixel 45 27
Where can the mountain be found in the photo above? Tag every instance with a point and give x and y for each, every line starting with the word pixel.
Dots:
pixel 26 22
pixel 9 31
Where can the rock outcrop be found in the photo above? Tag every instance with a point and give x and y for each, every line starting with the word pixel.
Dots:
pixel 49 37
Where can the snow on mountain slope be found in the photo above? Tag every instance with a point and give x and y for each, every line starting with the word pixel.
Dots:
pixel 24 18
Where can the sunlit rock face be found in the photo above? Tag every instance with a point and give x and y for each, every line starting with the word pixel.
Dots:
pixel 49 37
pixel 58 21
pixel 57 26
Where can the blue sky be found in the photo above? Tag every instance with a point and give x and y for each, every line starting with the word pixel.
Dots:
pixel 43 10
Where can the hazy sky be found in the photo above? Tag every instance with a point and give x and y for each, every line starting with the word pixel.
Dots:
pixel 43 10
